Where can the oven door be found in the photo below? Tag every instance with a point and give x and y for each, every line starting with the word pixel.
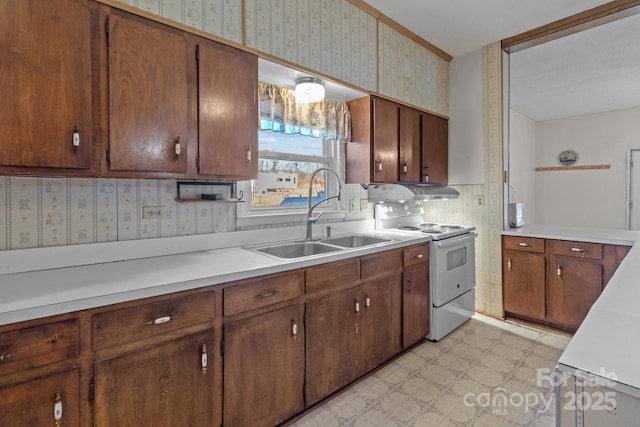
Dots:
pixel 453 268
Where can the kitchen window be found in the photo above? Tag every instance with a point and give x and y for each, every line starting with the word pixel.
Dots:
pixel 294 141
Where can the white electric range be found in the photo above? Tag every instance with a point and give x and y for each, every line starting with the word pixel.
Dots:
pixel 452 276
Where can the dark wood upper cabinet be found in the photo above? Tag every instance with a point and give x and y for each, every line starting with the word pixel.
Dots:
pixel 409 145
pixel 147 91
pixel 228 111
pixel 46 71
pixel 395 143
pixel 435 149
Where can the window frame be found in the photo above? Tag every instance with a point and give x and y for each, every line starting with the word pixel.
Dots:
pixel 248 215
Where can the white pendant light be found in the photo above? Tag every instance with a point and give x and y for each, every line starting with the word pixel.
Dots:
pixel 309 89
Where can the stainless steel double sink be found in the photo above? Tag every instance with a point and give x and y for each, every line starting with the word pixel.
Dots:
pixel 310 248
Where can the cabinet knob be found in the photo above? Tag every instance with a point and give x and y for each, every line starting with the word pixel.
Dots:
pixel 204 359
pixel 403 168
pixel 509 264
pixel 559 271
pixel 294 329
pixel 419 256
pixel 7 356
pixel 177 149
pixel 523 244
pixel 248 154
pixel 367 301
pixel 378 164
pixel 57 409
pixel 76 137
pixel 357 305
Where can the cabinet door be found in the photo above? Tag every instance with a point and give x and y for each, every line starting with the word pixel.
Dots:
pixel 409 166
pixel 228 111
pixel 33 403
pixel 435 149
pixel 415 304
pixel 147 96
pixel 385 140
pixel 46 83
pixel 573 287
pixel 333 343
pixel 264 368
pixel 161 385
pixel 381 324
pixel 523 277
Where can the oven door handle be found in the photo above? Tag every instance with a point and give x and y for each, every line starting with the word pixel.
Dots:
pixel 454 241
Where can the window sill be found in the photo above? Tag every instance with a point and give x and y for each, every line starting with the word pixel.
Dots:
pixel 286 218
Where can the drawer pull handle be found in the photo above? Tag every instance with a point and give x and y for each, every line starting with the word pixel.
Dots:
pixel 523 244
pixel 160 320
pixel 580 251
pixel 559 272
pixel 419 256
pixel 509 264
pixel 7 356
pixel 357 306
pixel 367 301
pixel 204 359
pixel 267 294
pixel 57 409
pixel 294 329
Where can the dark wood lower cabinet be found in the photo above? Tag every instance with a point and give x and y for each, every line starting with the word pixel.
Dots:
pixel 264 368
pixel 381 321
pixel 333 343
pixel 573 287
pixel 32 403
pixel 415 304
pixel 160 385
pixel 523 275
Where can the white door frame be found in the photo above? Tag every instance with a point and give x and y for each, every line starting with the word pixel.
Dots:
pixel 627 197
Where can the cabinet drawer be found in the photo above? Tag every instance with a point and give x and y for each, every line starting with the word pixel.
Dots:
pixel 38 346
pixel 576 249
pixel 416 255
pixel 332 275
pixel 528 244
pixel 131 324
pixel 379 264
pixel 262 292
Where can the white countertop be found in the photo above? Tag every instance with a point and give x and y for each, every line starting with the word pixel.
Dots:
pixel 49 290
pixel 605 347
pixel 579 234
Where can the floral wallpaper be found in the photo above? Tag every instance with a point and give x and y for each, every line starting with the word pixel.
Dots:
pixel 411 73
pixel 46 211
pixel 221 18
pixel 330 36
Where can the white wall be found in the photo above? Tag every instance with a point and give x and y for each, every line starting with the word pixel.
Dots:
pixel 522 156
pixel 585 197
pixel 466 132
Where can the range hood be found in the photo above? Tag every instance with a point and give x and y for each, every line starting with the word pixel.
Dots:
pixel 410 191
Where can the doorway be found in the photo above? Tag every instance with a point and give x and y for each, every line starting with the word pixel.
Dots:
pixel 633 188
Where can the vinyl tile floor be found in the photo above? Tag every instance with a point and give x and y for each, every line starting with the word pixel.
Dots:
pixel 486 373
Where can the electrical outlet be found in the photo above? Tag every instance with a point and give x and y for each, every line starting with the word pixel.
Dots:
pixel 480 200
pixel 153 212
pixel 364 204
pixel 352 205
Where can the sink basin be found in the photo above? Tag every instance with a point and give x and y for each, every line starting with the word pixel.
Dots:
pixel 298 250
pixel 355 241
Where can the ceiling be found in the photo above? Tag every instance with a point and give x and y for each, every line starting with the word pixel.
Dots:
pixel 585 73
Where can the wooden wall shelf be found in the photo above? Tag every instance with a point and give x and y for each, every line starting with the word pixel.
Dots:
pixel 567 168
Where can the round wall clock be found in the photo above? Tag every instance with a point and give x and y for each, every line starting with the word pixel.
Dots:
pixel 568 157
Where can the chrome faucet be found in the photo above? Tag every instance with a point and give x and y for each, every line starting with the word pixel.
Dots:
pixel 310 218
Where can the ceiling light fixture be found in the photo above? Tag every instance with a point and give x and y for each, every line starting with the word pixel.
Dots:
pixel 309 89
